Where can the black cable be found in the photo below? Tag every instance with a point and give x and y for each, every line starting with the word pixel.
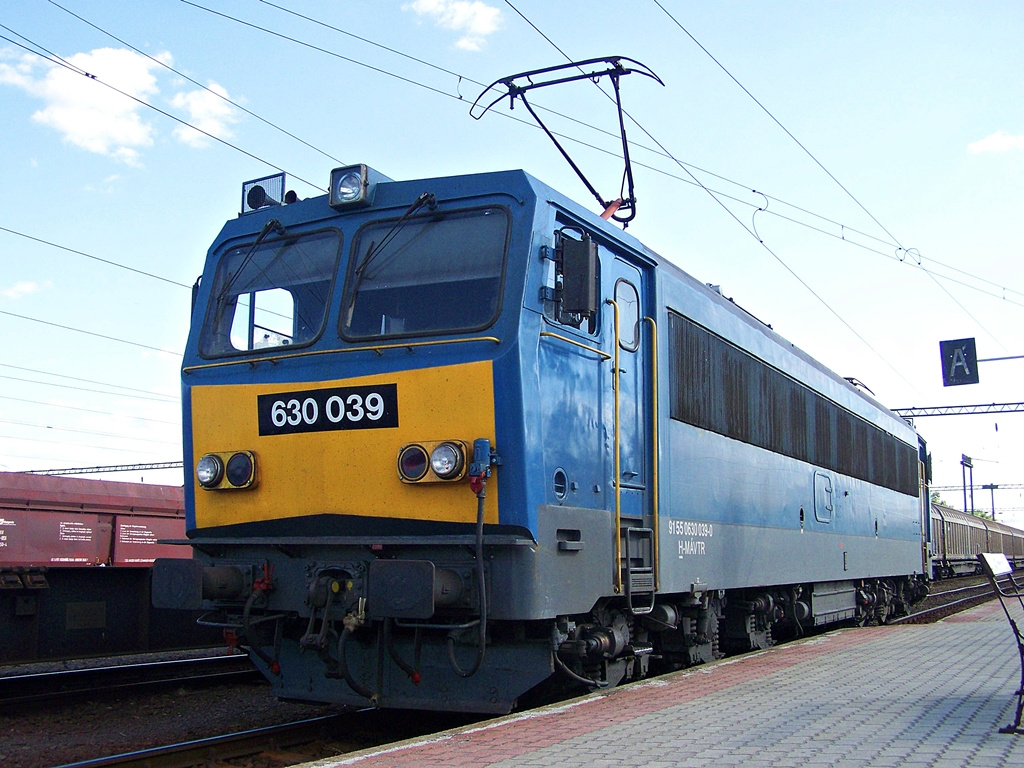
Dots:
pixel 79 71
pixel 86 432
pixel 196 82
pixel 91 333
pixel 175 398
pixel 778 123
pixel 661 151
pixel 94 258
pixel 94 447
pixel 389 642
pixel 161 399
pixel 89 411
pixel 578 678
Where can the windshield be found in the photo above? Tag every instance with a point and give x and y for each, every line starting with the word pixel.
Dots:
pixel 431 274
pixel 271 295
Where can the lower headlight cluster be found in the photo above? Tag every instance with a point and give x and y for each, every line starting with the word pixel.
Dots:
pixel 443 461
pixel 222 471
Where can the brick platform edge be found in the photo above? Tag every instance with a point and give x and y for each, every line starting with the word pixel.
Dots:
pixel 517 735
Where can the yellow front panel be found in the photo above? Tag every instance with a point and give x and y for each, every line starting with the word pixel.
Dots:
pixel 346 471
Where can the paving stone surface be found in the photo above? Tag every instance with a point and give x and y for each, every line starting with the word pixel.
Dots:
pixel 883 697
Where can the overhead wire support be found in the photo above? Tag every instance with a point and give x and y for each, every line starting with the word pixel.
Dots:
pixel 622 210
pixel 959 410
pixel 107 468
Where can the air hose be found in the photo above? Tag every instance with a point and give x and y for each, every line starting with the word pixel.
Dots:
pixel 345 673
pixel 481 493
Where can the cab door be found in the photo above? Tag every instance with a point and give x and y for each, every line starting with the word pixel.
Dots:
pixel 634 458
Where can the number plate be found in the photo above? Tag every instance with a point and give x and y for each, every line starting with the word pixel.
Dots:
pixel 325 410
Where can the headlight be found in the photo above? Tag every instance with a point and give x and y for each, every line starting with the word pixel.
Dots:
pixel 353 185
pixel 227 471
pixel 348 187
pixel 412 463
pixel 433 461
pixel 447 460
pixel 240 470
pixel 209 471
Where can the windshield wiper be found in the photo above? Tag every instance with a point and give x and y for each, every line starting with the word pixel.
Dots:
pixel 375 249
pixel 271 226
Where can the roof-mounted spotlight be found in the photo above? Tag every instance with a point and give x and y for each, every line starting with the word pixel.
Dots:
pixel 353 185
pixel 261 193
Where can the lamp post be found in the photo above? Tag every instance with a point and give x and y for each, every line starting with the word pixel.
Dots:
pixel 965 464
pixel 992 488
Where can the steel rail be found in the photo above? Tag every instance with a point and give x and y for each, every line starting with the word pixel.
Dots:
pixel 975 599
pixel 44 686
pixel 201 751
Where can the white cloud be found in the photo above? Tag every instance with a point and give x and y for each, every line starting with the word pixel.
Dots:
pixel 474 19
pixel 88 114
pixel 24 288
pixel 206 111
pixel 997 142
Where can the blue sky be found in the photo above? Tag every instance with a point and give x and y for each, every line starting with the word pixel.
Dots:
pixel 913 107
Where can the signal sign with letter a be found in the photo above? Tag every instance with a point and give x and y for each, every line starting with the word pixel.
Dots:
pixel 959 362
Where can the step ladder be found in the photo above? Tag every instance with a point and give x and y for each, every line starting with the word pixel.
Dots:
pixel 638 569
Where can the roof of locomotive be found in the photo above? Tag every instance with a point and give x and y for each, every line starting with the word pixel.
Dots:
pixel 398 194
pixel 897 425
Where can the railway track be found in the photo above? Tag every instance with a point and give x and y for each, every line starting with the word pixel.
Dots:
pixel 959 595
pixel 288 743
pixel 118 678
pixel 271 740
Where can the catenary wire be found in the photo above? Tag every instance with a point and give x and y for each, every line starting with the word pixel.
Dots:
pixel 714 194
pixel 786 266
pixel 90 333
pixel 844 228
pixel 665 152
pixel 160 399
pixel 778 123
pixel 753 234
pixel 660 151
pixel 196 82
pixel 86 432
pixel 20 438
pixel 58 61
pixel 90 410
pixel 94 258
pixel 821 166
pixel 87 381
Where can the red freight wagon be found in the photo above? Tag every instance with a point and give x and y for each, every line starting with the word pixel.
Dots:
pixel 63 521
pixel 45 539
pixel 75 557
pixel 135 539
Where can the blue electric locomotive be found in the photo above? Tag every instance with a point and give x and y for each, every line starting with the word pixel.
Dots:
pixel 455 438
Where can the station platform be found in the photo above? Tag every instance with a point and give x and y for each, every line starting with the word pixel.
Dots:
pixel 881 697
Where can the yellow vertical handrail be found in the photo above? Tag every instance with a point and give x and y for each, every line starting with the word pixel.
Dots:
pixel 654 442
pixel 618 479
